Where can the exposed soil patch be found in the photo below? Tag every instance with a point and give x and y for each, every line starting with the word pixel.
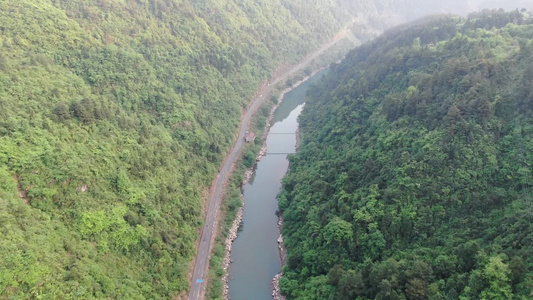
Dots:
pixel 23 193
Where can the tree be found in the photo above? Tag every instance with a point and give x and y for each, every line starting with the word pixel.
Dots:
pixel 338 232
pixel 497 273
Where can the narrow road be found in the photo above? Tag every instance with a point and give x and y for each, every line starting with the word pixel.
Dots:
pixel 199 277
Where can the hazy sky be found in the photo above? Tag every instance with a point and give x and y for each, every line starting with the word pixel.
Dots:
pixel 394 12
pixel 506 4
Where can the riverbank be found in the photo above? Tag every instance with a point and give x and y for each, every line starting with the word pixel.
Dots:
pixel 232 235
pixel 276 290
pixel 249 173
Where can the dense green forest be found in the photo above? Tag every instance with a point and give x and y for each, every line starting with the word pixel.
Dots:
pixel 414 177
pixel 114 117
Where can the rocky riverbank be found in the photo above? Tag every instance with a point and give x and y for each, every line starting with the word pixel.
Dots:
pixel 276 291
pixel 232 235
pixel 249 173
pixel 281 245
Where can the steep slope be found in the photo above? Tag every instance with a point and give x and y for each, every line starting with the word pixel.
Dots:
pixel 114 118
pixel 414 176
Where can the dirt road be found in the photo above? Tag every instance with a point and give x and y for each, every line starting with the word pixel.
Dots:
pixel 199 278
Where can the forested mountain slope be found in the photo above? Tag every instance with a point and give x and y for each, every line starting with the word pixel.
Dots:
pixel 414 177
pixel 114 118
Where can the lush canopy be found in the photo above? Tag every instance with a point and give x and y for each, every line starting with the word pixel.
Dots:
pixel 414 177
pixel 114 118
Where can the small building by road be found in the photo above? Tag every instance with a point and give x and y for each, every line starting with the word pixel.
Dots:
pixel 249 137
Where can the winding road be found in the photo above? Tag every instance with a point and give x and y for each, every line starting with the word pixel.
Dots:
pixel 199 277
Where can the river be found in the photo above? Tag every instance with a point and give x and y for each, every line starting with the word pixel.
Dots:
pixel 254 253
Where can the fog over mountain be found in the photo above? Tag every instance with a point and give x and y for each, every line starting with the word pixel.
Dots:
pixel 507 5
pixel 382 14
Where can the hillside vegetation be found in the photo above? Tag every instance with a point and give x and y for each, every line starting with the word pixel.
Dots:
pixel 114 118
pixel 414 178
